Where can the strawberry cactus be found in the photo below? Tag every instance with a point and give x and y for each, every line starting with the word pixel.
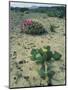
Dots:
pixel 30 26
pixel 44 56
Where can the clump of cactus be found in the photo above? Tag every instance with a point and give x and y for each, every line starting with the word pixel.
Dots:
pixel 44 56
pixel 30 26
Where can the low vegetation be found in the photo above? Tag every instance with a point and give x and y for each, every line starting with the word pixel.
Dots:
pixel 52 28
pixel 50 11
pixel 44 56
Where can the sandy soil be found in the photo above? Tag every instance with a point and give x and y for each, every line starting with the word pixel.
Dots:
pixel 24 71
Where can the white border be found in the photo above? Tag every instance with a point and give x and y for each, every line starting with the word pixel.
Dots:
pixel 4 43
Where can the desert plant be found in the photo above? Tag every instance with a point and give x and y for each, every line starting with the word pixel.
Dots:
pixel 44 56
pixel 30 26
pixel 52 28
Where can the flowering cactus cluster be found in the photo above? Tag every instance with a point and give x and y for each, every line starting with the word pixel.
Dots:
pixel 27 22
pixel 32 27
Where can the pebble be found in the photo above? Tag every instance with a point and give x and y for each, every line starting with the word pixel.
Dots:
pixel 20 62
pixel 30 68
pixel 14 78
pixel 26 77
pixel 19 44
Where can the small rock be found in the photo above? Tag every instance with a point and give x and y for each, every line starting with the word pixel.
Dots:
pixel 26 77
pixel 21 70
pixel 14 78
pixel 24 61
pixel 34 78
pixel 18 68
pixel 19 44
pixel 11 37
pixel 14 55
pixel 30 68
pixel 41 41
pixel 20 62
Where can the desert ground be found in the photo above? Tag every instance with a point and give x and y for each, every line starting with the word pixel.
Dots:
pixel 23 71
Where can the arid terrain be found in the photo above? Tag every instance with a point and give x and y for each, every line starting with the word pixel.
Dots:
pixel 23 71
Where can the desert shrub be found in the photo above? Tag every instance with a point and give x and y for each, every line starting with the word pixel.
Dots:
pixel 60 14
pixel 45 56
pixel 32 27
pixel 26 12
pixel 57 12
pixel 52 28
pixel 51 14
pixel 19 9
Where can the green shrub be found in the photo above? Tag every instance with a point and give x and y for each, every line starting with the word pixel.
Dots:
pixel 57 12
pixel 52 28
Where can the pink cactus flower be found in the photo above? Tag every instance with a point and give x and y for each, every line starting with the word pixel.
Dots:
pixel 27 22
